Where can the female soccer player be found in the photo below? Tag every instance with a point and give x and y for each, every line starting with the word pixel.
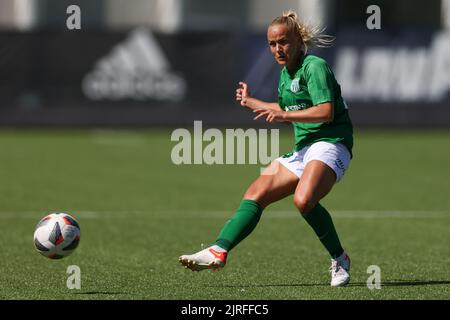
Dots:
pixel 309 97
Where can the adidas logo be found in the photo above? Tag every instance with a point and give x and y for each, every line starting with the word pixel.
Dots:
pixel 135 69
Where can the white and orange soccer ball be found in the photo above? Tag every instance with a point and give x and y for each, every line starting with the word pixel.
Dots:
pixel 57 235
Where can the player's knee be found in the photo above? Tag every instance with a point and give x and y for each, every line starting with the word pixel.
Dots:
pixel 304 203
pixel 254 195
pixel 257 194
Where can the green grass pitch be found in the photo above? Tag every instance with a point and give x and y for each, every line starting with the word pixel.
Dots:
pixel 138 212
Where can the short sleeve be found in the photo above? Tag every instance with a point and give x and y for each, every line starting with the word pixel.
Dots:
pixel 319 79
pixel 280 93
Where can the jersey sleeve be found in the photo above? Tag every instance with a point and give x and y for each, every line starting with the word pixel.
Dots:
pixel 319 79
pixel 280 93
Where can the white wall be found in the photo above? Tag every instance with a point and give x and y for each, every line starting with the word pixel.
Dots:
pixel 18 14
pixel 163 15
pixel 317 12
pixel 262 12
pixel 445 14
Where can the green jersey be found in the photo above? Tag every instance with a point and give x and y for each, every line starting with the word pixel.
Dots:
pixel 313 83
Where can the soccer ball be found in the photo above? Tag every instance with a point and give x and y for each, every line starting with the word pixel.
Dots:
pixel 57 235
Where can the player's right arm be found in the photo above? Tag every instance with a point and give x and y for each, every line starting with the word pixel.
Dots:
pixel 246 100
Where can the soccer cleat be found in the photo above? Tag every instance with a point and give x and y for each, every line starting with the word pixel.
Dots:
pixel 208 258
pixel 340 269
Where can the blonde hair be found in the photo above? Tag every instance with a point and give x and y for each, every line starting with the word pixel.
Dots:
pixel 311 36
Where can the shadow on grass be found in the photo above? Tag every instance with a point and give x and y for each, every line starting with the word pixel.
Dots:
pixel 100 292
pixel 390 283
pixel 404 283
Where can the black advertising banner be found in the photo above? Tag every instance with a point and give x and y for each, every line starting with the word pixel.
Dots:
pixel 395 79
pixel 144 78
pixel 107 78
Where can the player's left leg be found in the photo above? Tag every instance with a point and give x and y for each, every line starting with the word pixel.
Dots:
pixel 315 183
pixel 317 180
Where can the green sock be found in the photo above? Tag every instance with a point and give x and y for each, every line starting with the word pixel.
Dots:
pixel 240 225
pixel 320 220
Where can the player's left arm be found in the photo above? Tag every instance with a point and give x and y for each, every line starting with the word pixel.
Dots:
pixel 320 86
pixel 323 112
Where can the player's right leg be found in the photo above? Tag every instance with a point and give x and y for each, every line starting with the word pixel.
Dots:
pixel 275 183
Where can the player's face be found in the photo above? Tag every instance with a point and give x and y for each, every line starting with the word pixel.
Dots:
pixel 285 46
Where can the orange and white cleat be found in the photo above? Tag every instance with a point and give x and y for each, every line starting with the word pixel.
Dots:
pixel 212 257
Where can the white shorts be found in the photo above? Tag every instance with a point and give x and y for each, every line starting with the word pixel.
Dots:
pixel 335 155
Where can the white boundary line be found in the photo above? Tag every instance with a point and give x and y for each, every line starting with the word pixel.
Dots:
pixel 216 214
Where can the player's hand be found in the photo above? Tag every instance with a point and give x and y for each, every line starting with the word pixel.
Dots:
pixel 270 115
pixel 242 93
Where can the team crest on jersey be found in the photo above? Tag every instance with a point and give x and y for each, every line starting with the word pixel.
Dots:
pixel 295 86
